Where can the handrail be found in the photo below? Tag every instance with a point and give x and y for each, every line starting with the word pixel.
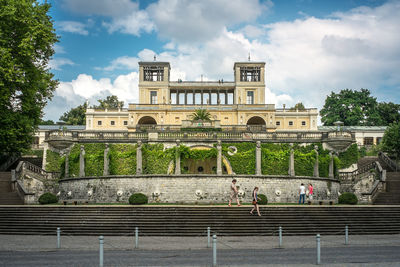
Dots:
pixel 385 158
pixel 358 172
pixel 35 169
pixel 378 184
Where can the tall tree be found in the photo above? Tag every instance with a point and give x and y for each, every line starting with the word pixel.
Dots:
pixel 110 102
pixel 351 107
pixel 388 112
pixel 391 140
pixel 298 106
pixel 27 36
pixel 75 116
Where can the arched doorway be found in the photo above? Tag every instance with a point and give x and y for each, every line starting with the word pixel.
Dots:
pixel 256 123
pixel 146 123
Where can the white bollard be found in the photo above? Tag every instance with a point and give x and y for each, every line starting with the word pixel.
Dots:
pixel 280 236
pixel 208 237
pixel 318 249
pixel 136 237
pixel 58 237
pixel 214 246
pixel 101 252
pixel 346 235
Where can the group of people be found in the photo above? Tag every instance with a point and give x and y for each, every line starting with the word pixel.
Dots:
pixel 235 194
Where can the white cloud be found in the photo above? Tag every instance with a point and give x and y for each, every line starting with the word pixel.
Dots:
pixel 136 22
pixel 58 49
pixel 72 27
pixel 57 63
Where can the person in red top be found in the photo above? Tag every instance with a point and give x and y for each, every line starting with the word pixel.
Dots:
pixel 310 191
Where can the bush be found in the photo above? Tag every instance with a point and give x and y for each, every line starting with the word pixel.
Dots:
pixel 138 199
pixel 263 199
pixel 48 198
pixel 348 198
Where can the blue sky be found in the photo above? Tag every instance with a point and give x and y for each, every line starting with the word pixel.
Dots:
pixel 311 47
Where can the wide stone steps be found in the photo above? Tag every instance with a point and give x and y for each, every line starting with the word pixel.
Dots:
pixel 193 221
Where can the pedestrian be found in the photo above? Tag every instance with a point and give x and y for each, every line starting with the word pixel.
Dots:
pixel 310 192
pixel 234 193
pixel 302 191
pixel 255 202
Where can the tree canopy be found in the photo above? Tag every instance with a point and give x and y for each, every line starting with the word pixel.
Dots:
pixel 358 108
pixel 391 139
pixel 298 106
pixel 27 36
pixel 110 102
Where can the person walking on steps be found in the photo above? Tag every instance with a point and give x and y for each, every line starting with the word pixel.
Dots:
pixel 234 193
pixel 255 202
pixel 310 192
pixel 302 191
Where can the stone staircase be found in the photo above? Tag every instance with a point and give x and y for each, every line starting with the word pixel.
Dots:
pixel 7 197
pixel 392 194
pixel 194 220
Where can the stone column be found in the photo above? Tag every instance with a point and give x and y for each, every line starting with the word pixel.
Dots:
pixel 106 161
pixel 316 164
pixel 331 172
pixel 44 161
pixel 139 160
pixel 258 158
pixel 82 162
pixel 177 158
pixel 66 174
pixel 291 161
pixel 219 158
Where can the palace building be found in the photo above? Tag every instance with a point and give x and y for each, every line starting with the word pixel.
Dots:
pixel 233 105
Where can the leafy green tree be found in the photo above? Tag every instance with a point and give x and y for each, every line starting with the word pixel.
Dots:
pixel 27 36
pixel 75 116
pixel 298 106
pixel 110 102
pixel 201 115
pixel 48 122
pixel 351 107
pixel 391 140
pixel 388 112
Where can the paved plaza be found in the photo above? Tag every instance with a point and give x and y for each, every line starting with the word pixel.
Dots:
pixel 372 250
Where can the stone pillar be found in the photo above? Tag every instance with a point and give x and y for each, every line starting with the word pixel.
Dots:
pixel 139 160
pixel 66 174
pixel 219 158
pixel 177 158
pixel 258 158
pixel 82 162
pixel 106 161
pixel 44 161
pixel 316 164
pixel 291 161
pixel 331 172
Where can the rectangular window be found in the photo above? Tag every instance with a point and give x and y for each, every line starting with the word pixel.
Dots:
pixel 181 98
pixel 303 123
pixel 189 98
pixel 230 98
pixel 197 98
pixel 99 123
pixel 173 98
pixel 278 123
pixel 125 123
pixel 368 141
pixel 214 98
pixel 250 74
pixel 378 140
pixel 112 123
pixel 290 123
pixel 222 98
pixel 153 73
pixel 250 98
pixel 153 97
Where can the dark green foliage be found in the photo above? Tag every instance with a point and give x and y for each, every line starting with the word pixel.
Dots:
pixel 348 157
pixel 201 115
pixel 27 36
pixel 34 152
pixel 48 122
pixel 263 200
pixel 199 154
pixel 111 102
pixel 200 129
pixel 391 140
pixel 122 159
pixel 54 161
pixel 274 162
pixel 389 113
pixel 348 198
pixel 323 167
pixel 94 160
pixel 155 159
pixel 298 106
pixel 75 116
pixel 138 199
pixel 48 198
pixel 304 163
pixel 243 162
pixel 74 161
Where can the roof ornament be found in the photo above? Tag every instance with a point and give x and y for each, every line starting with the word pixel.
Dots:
pixel 249 57
pixel 155 57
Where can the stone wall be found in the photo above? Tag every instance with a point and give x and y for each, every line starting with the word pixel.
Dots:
pixel 192 188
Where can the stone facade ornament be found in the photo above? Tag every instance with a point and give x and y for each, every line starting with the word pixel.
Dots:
pixel 139 158
pixel 331 171
pixel 82 162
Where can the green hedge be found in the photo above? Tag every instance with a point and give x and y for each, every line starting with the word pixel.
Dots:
pixel 243 162
pixel 138 199
pixel 304 163
pixel 274 162
pixel 348 198
pixel 48 198
pixel 155 159
pixel 122 159
pixel 54 161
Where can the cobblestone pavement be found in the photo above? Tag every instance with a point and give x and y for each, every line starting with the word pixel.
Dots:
pixel 365 250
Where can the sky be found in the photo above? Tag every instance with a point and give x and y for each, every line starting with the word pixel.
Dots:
pixel 310 47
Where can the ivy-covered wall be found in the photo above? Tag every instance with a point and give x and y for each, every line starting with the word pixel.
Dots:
pixel 122 159
pixel 156 159
pixel 243 162
pixel 348 157
pixel 275 159
pixel 54 161
pixel 94 160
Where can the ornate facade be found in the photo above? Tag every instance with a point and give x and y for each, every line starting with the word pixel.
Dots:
pixel 166 104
